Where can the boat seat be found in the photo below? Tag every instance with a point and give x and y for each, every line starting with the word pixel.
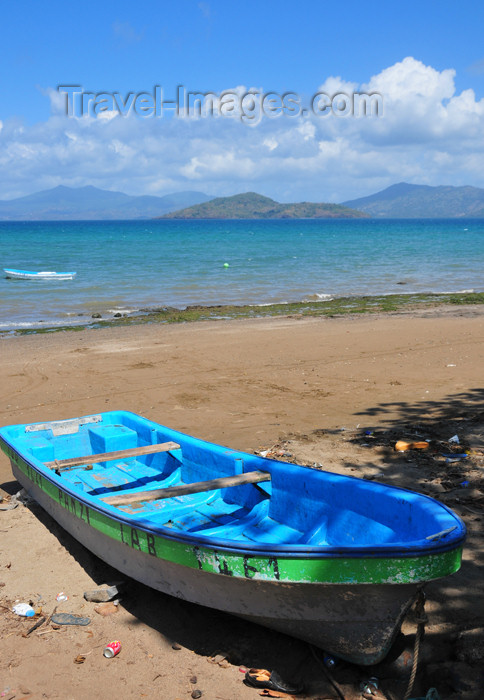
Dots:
pixel 39 447
pixel 108 438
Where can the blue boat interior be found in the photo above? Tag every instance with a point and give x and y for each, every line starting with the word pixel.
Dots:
pixel 298 506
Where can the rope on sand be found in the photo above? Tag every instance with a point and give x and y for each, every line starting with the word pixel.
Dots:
pixel 421 619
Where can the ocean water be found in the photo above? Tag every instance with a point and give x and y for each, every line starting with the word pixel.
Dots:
pixel 125 266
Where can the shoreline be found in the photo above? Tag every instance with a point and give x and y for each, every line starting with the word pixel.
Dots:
pixel 338 306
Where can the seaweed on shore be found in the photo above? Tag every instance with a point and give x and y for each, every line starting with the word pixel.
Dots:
pixel 337 307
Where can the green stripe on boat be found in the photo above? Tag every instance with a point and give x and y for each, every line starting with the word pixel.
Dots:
pixel 349 570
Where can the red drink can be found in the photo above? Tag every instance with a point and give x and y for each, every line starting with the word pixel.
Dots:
pixel 112 649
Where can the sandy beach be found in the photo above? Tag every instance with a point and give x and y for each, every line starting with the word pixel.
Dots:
pixel 336 392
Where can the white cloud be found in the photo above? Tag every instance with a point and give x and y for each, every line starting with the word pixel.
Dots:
pixel 411 79
pixel 307 130
pixel 428 133
pixel 421 107
pixel 270 143
pixel 334 85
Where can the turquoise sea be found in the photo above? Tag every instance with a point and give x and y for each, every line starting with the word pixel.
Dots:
pixel 125 266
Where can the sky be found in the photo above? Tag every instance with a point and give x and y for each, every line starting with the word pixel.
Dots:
pixel 88 96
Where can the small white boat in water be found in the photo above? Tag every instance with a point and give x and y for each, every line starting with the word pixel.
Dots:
pixel 45 275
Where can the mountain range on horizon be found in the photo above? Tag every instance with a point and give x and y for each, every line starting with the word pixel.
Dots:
pixel 87 203
pixel 402 200
pixel 406 201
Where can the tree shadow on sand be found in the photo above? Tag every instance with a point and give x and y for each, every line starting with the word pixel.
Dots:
pixel 450 470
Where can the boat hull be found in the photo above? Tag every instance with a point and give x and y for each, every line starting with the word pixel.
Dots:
pixel 355 622
pixel 46 275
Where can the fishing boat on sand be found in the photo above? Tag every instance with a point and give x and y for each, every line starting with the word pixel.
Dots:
pixel 43 275
pixel 330 559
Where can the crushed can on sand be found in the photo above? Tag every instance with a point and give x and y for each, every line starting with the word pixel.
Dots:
pixel 112 649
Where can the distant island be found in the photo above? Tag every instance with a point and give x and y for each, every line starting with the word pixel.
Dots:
pixel 255 206
pixel 405 201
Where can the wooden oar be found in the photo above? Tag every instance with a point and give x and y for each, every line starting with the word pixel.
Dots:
pixel 185 489
pixel 60 464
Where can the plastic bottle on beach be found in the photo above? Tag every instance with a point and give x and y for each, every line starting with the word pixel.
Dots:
pixel 23 609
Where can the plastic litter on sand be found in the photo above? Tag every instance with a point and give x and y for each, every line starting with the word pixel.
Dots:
pixel 23 609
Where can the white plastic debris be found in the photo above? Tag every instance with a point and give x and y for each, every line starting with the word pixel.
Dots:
pixel 23 609
pixel 455 439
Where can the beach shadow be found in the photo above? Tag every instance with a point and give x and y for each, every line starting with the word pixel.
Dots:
pixel 451 470
pixel 11 487
pixel 467 406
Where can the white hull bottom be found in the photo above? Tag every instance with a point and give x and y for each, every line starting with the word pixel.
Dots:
pixel 354 622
